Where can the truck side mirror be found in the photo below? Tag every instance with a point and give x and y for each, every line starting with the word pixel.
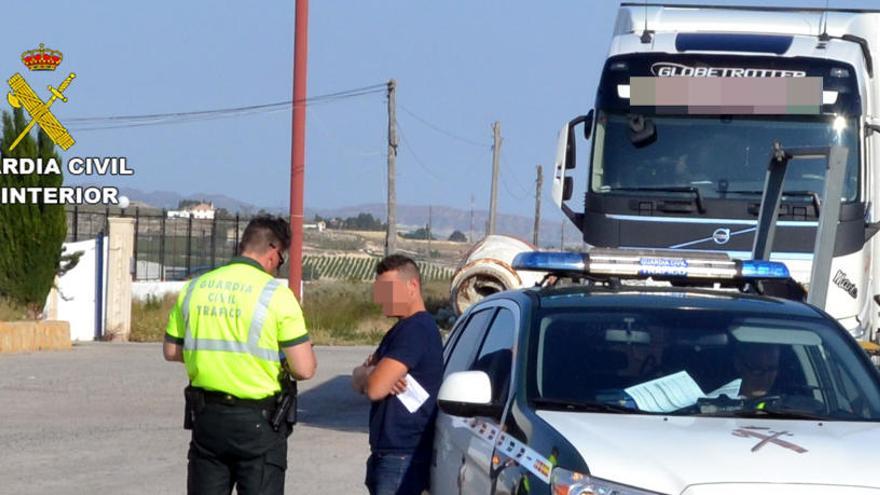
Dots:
pixel 571 145
pixel 565 157
pixel 567 188
pixel 588 125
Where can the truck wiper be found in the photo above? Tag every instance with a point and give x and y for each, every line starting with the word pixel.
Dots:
pixel 698 197
pixel 814 196
pixel 567 405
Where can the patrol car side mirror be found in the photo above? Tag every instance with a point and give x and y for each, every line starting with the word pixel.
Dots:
pixel 467 394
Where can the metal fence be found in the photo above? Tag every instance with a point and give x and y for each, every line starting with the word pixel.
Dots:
pixel 165 248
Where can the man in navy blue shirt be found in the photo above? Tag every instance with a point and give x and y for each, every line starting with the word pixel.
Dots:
pixel 400 440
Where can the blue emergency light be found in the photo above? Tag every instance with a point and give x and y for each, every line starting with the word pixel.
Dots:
pixel 763 270
pixel 656 264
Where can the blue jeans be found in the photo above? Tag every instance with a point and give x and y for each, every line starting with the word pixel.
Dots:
pixel 397 474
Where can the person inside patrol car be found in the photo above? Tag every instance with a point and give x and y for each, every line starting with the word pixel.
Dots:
pixel 232 328
pixel 758 366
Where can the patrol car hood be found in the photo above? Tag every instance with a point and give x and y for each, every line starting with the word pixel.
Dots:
pixel 720 456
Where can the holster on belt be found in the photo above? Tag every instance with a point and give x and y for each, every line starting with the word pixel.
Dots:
pixel 285 408
pixel 194 400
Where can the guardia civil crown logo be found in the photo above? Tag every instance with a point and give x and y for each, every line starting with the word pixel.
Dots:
pixel 23 96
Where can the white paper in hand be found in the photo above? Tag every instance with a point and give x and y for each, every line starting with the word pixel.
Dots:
pixel 414 395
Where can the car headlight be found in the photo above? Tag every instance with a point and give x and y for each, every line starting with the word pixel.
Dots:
pixel 565 482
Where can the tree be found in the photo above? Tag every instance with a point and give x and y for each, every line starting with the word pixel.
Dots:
pixel 458 236
pixel 31 235
pixel 418 234
pixel 364 221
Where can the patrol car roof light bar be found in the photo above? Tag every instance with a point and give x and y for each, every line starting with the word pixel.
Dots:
pixel 655 264
pixel 826 233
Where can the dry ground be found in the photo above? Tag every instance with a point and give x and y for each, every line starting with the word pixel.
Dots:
pixel 106 418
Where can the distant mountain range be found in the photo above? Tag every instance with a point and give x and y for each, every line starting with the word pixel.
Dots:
pixel 170 200
pixel 444 219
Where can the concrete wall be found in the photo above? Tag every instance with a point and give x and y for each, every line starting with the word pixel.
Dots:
pixel 142 290
pixel 120 266
pixel 74 300
pixel 28 336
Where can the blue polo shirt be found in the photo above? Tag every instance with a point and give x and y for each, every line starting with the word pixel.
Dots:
pixel 414 341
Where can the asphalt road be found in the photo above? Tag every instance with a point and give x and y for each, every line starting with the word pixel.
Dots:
pixel 107 418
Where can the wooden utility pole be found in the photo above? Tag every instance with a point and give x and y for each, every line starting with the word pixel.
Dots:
pixel 429 230
pixel 496 157
pixel 539 183
pixel 391 231
pixel 562 235
pixel 471 237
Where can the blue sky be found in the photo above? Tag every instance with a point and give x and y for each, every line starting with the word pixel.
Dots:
pixel 460 65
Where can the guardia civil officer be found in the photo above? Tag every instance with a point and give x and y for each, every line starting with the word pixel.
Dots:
pixel 232 328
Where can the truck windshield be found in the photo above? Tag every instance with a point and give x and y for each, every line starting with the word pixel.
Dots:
pixel 722 156
pixel 700 363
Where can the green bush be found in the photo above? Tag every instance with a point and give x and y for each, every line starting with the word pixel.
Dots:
pixel 336 313
pixel 338 307
pixel 150 317
pixel 31 235
pixel 12 311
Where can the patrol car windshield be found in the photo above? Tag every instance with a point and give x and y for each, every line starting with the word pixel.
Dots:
pixel 700 363
pixel 723 157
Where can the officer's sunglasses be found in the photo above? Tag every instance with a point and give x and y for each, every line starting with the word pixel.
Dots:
pixel 280 255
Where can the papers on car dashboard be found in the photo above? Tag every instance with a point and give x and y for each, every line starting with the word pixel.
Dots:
pixel 676 391
pixel 414 396
pixel 667 393
pixel 731 390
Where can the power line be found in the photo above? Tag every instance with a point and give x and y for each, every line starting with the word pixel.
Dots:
pixel 376 88
pixel 123 121
pixel 507 188
pixel 414 155
pixel 516 179
pixel 443 131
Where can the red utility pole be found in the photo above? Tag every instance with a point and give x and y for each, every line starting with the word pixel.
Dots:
pixel 298 145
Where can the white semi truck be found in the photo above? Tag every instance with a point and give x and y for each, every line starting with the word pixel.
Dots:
pixel 684 167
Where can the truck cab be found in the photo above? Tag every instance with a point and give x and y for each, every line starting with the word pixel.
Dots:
pixel 690 176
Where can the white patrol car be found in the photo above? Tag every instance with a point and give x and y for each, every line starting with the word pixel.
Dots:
pixel 607 388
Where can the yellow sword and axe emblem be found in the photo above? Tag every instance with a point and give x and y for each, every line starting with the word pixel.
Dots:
pixel 23 96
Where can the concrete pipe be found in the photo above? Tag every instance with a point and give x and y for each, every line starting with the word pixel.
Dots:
pixel 486 270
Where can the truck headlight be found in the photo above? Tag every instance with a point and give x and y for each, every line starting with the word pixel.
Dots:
pixel 564 482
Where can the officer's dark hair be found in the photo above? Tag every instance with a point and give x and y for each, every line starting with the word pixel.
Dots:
pixel 403 264
pixel 265 231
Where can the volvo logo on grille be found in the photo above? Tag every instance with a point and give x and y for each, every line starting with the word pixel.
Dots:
pixel 721 236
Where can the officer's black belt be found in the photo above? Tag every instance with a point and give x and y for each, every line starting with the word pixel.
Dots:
pixel 231 400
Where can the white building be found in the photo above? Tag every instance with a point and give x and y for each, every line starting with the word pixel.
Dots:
pixel 319 226
pixel 201 211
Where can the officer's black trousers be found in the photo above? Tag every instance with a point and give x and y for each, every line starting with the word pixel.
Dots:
pixel 236 446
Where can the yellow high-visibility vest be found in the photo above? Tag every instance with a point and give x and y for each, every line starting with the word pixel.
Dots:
pixel 233 323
